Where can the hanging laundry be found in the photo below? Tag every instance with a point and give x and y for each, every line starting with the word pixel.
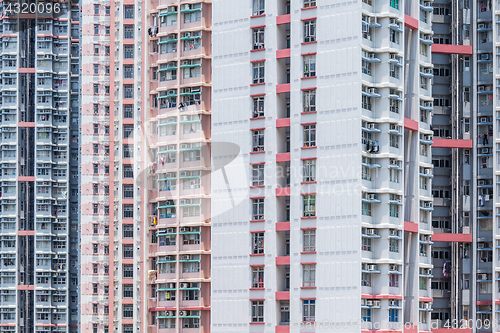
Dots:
pixel 486 198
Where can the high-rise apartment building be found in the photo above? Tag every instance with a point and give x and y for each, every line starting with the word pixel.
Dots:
pixel 39 177
pixel 112 258
pixel 178 134
pixel 332 111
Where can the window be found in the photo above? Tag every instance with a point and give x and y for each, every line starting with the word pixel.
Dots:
pixel 366 209
pixel 258 38
pixel 188 73
pixel 258 311
pixel 108 10
pixel 258 277
pixel 309 169
pixel 309 205
pixel 128 151
pixel 366 279
pixel 309 3
pixel 128 12
pixel 128 131
pixel 366 67
pixel 128 251
pixel 394 175
pixel 309 100
pixel 96 9
pixel 310 135
pixel 423 49
pixel 366 244
pixel 128 171
pixel 308 275
pixel 128 31
pixel 128 311
pixel 310 65
pixel 95 309
pixel 394 71
pixel 258 140
pixel 128 231
pixel 258 175
pixel 394 36
pixel 309 237
pixel 258 107
pixel 128 271
pixel 258 72
pixel 128 51
pixel 310 31
pixel 393 280
pixel 128 71
pixel 128 91
pixel 394 4
pixel 366 314
pixel 128 211
pixel 191 156
pixel 394 245
pixel 258 7
pixel 366 102
pixel 194 15
pixel 308 310
pixel 258 209
pixel 393 315
pixel 128 291
pixel 258 242
pixel 96 29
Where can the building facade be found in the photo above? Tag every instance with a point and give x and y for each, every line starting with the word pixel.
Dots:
pixel 112 257
pixel 39 179
pixel 334 132
pixel 178 147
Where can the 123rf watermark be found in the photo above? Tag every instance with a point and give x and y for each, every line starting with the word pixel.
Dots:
pixel 360 324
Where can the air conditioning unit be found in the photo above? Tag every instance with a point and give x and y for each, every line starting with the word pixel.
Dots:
pixel 170 314
pixel 395 162
pixel 171 92
pixel 481 182
pixel 428 104
pixel 186 7
pixel 195 90
pixel 284 309
pixel 185 145
pixel 371 55
pixel 480 88
pixel 426 305
pixel 394 127
pixel 170 230
pixel 394 21
pixel 372 267
pixel 187 90
pixel 371 232
pixel 485 56
pixel 371 196
pixel 369 303
pixel 393 232
pixel 393 267
pixel 372 19
pixel 186 62
pixel 481 26
pixel 376 303
pixel 393 303
pixel 183 313
pixel 371 126
pixel 485 150
pixel 428 204
pixel 186 257
pixel 171 9
pixel 480 245
pixel 184 285
pixel 482 277
pixel 172 36
pixel 428 171
pixel 372 90
pixel 172 64
pixel 483 119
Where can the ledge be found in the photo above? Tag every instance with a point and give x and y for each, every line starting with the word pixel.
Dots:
pixel 452 49
pixel 281 54
pixel 448 237
pixel 282 295
pixel 451 143
pixel 283 19
pixel 411 22
pixel 411 125
pixel 411 227
pixel 283 88
pixel 282 122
